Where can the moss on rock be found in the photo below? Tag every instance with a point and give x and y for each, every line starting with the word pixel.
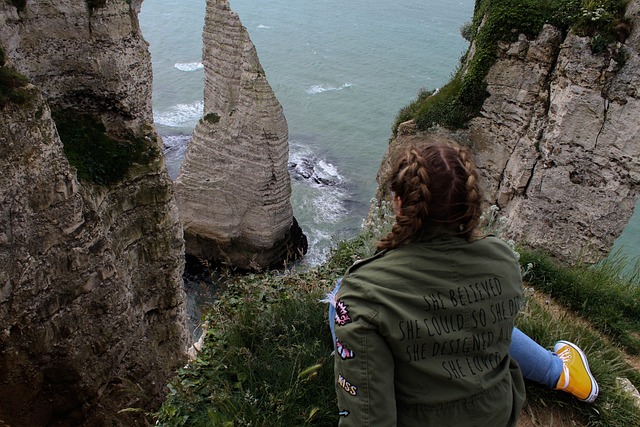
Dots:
pixel 99 158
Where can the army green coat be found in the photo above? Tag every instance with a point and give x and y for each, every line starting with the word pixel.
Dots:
pixel 423 333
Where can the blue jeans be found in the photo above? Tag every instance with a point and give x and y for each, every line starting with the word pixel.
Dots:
pixel 536 363
pixel 331 299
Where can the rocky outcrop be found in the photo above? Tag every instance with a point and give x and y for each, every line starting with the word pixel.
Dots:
pixel 557 140
pixel 234 188
pixel 92 311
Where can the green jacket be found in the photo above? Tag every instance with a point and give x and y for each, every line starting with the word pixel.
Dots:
pixel 423 334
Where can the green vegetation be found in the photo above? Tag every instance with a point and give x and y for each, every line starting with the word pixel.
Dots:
pixel 212 118
pixel 608 301
pixel 266 356
pixel 495 20
pixel 99 158
pixel 269 364
pixel 12 84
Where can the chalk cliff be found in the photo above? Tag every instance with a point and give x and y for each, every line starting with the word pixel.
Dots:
pixel 234 189
pixel 92 310
pixel 558 140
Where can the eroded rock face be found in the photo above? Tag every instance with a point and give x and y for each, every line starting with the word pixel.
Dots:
pixel 234 189
pixel 558 141
pixel 92 311
pixel 87 59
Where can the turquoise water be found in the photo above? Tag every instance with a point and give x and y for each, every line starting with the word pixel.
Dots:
pixel 341 70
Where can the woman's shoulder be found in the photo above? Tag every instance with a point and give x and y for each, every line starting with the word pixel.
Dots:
pixel 366 261
pixel 492 241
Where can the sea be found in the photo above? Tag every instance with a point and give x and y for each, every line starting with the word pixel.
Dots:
pixel 341 70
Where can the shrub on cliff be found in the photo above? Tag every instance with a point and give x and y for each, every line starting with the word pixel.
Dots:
pixel 97 157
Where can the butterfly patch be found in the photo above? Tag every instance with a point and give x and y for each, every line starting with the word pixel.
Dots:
pixel 342 313
pixel 343 351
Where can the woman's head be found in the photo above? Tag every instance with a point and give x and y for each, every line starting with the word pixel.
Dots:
pixel 437 186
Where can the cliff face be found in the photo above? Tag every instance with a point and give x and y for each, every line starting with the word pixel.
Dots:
pixel 91 301
pixel 234 189
pixel 557 140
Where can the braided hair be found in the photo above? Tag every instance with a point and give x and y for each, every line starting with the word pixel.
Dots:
pixel 437 184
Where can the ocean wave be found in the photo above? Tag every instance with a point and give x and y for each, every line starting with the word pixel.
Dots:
pixel 319 251
pixel 266 27
pixel 189 66
pixel 325 88
pixel 180 115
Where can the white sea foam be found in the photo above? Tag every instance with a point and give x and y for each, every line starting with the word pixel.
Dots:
pixel 329 206
pixel 180 115
pixel 325 88
pixel 319 249
pixel 326 196
pixel 175 148
pixel 189 66
pixel 305 165
pixel 266 27
pixel 329 170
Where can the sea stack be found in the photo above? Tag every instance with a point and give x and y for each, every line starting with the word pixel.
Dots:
pixel 234 189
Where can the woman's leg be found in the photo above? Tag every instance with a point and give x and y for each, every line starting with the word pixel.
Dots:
pixel 536 363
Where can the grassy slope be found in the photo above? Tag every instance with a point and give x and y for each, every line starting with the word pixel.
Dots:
pixel 266 359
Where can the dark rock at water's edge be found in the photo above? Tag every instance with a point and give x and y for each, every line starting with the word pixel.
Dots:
pixel 311 170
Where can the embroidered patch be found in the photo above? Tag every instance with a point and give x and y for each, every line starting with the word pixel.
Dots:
pixel 343 351
pixel 347 386
pixel 343 413
pixel 342 313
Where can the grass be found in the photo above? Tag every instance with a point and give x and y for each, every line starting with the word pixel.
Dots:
pixel 98 158
pixel 266 359
pixel 601 295
pixel 496 20
pixel 612 408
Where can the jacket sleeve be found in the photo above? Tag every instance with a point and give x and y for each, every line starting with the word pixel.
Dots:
pixel 364 367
